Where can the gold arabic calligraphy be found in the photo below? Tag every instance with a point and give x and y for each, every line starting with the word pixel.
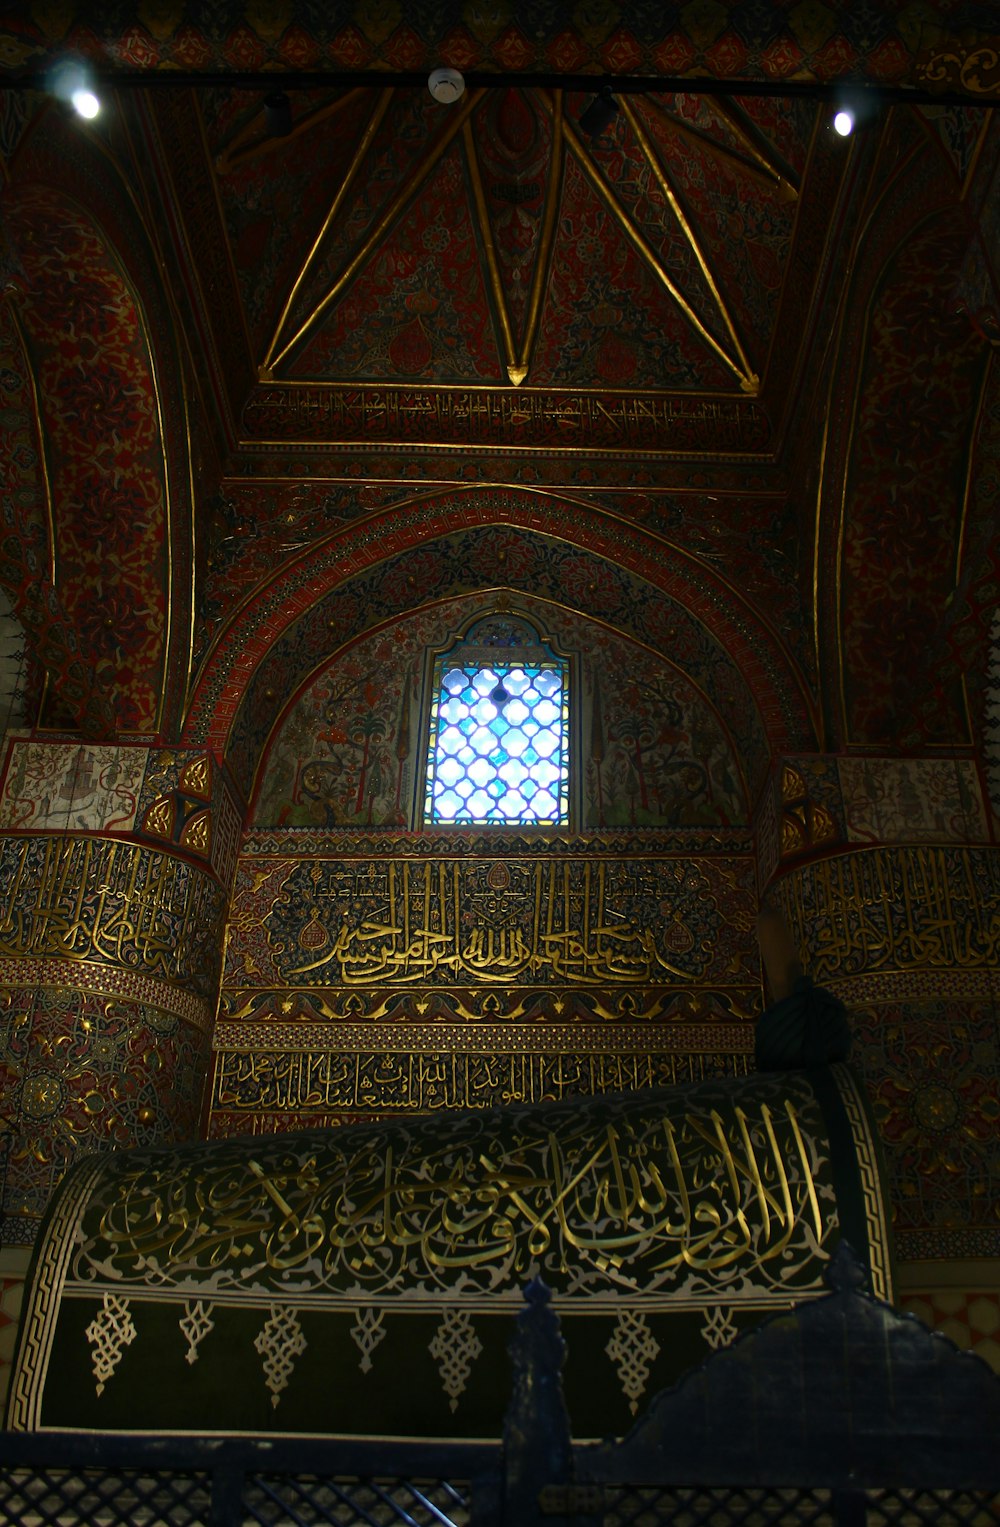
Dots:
pixel 632 1198
pixel 578 923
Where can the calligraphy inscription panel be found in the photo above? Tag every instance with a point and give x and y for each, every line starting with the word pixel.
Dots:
pixel 669 923
pixel 383 1082
pixel 891 911
pixel 498 417
pixel 114 903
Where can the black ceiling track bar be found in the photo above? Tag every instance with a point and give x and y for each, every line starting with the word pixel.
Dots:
pixel 270 80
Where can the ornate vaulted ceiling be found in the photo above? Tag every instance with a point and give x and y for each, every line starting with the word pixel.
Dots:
pixel 390 238
pixel 677 350
pixel 650 287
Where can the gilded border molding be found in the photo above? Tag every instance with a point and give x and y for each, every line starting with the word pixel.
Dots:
pixel 108 981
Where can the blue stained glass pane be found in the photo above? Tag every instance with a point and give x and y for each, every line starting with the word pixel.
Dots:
pixel 490 763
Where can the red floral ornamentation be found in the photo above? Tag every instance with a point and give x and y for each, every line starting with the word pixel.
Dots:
pixel 513 50
pixel 616 360
pixel 298 49
pixel 351 49
pixel 566 53
pixel 138 48
pixel 621 53
pixel 889 61
pixel 675 55
pixel 405 50
pixel 726 56
pixel 781 57
pixel 85 44
pixel 190 50
pixel 835 58
pixel 243 49
pixel 460 50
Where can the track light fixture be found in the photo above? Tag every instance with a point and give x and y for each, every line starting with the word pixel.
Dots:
pixel 277 114
pixel 600 114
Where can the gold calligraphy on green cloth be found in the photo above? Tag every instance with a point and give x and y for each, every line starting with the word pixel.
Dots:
pixel 724 1189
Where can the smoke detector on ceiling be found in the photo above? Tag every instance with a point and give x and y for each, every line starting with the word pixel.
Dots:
pixel 446 85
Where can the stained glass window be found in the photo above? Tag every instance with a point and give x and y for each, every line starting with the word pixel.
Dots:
pixel 499 731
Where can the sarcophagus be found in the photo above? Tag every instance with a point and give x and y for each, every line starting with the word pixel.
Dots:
pixel 362 1281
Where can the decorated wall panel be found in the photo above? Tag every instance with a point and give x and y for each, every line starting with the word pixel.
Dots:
pixel 908 937
pixel 84 1071
pixel 109 968
pixel 883 923
pixel 366 577
pixel 401 973
pixel 932 1070
pixel 648 750
pixel 911 800
pixel 943 43
pixel 106 458
pixel 277 1073
pixel 172 797
pixel 607 935
pixel 825 802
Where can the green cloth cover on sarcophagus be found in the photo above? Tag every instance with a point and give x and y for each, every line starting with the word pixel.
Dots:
pixel 363 1281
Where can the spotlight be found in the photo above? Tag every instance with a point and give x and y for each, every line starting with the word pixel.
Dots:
pixel 70 80
pixel 600 114
pixel 446 85
pixel 843 122
pixel 277 114
pixel 85 102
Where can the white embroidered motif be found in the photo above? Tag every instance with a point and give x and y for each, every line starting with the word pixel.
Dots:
pixel 279 1343
pixel 455 1348
pixel 633 1347
pixel 109 1333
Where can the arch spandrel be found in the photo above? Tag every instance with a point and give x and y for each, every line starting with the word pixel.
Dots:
pixel 646 749
pixel 451 544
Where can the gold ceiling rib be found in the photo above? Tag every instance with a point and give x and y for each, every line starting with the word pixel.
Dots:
pixel 787 189
pixel 547 235
pixel 372 127
pixel 652 159
pixel 493 265
pixel 762 170
pixel 242 149
pixel 748 381
pixel 456 121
